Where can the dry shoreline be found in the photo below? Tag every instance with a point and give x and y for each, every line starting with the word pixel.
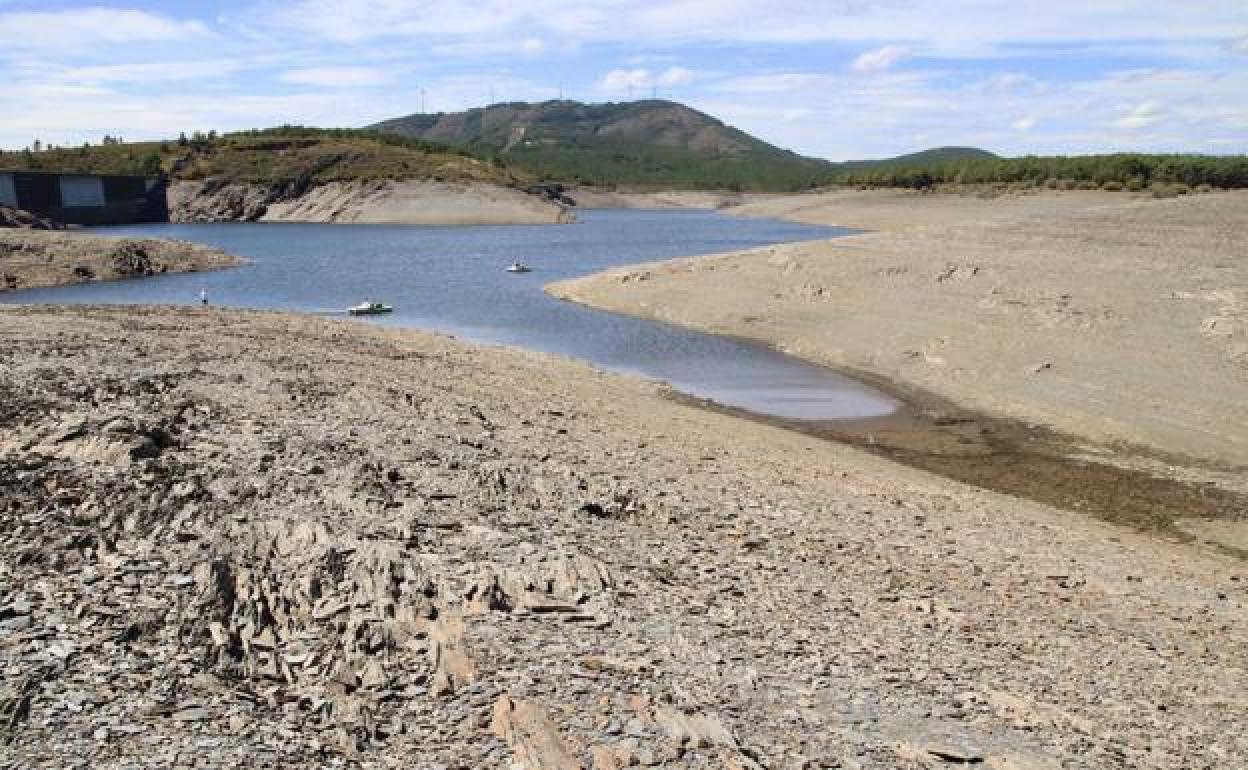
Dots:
pixel 238 537
pixel 1115 319
pixel 406 202
pixel 35 258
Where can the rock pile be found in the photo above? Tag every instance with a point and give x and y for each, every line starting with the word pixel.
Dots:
pixel 20 218
pixel 132 258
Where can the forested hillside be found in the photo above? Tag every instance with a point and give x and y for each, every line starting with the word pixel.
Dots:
pixel 1128 171
pixel 283 155
pixel 646 144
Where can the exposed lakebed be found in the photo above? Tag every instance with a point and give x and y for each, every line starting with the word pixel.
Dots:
pixel 452 280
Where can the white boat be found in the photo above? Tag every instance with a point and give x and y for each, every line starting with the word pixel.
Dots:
pixel 518 267
pixel 370 308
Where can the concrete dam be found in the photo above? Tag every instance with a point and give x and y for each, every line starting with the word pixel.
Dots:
pixel 86 199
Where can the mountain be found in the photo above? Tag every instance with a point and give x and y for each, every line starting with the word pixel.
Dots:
pixel 644 144
pixel 931 157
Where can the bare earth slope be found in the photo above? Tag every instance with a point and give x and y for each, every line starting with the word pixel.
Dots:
pixel 1104 316
pixel 32 258
pixel 257 540
pixel 380 201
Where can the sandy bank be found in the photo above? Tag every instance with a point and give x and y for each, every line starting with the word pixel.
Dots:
pixel 894 210
pixel 33 258
pixel 1113 318
pixel 597 198
pixel 413 202
pixel 286 541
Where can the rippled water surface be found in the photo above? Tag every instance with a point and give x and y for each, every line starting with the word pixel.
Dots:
pixel 452 279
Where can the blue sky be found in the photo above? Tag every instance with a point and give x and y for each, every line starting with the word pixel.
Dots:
pixel 837 78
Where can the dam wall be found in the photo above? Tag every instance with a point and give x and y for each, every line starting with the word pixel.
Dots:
pixel 86 199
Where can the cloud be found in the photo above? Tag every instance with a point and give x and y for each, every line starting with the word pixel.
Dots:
pixel 676 76
pixel 1240 45
pixel 533 46
pixel 337 77
pixel 772 83
pixel 974 27
pixel 642 78
pixel 71 31
pixel 880 59
pixel 1008 81
pixel 152 72
pixel 620 80
pixel 1142 115
pixel 1025 124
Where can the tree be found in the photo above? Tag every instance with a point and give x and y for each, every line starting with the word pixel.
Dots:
pixel 151 165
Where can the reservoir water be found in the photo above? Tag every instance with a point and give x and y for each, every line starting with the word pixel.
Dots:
pixel 453 280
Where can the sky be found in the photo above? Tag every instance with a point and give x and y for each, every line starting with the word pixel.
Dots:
pixel 840 79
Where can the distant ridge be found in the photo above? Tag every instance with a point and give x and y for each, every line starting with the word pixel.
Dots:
pixel 930 157
pixel 651 143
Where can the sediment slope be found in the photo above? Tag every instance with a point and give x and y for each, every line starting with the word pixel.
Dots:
pixel 33 258
pixel 1104 316
pixel 600 198
pixel 384 201
pixel 236 539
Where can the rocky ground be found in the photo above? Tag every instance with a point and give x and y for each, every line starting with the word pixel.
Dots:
pixel 258 540
pixel 19 218
pixel 32 258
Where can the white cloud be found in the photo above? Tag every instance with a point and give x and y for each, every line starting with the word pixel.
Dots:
pixel 770 83
pixel 965 28
pixel 337 77
pixel 881 58
pixel 1142 115
pixel 82 73
pixel 620 80
pixel 1008 81
pixel 642 78
pixel 1161 110
pixel 76 31
pixel 152 72
pixel 675 76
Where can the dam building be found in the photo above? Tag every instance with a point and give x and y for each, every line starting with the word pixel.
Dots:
pixel 86 199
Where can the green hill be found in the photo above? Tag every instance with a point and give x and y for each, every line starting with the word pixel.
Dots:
pixel 934 156
pixel 277 156
pixel 645 144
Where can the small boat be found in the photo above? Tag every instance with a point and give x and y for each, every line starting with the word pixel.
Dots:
pixel 370 308
pixel 519 267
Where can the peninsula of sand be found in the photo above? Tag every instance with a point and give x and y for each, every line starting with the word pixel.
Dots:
pixel 1108 317
pixel 32 258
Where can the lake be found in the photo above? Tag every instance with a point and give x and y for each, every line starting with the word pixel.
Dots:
pixel 453 280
